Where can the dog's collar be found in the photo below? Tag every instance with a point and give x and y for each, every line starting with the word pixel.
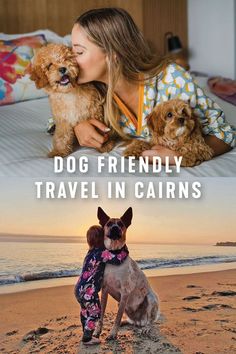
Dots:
pixel 124 248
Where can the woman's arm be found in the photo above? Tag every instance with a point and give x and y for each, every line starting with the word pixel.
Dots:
pixel 87 133
pixel 161 152
pixel 219 147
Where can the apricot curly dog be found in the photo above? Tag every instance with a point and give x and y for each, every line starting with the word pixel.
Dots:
pixel 173 124
pixel 55 70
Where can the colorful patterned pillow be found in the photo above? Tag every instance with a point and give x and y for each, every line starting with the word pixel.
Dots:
pixel 15 59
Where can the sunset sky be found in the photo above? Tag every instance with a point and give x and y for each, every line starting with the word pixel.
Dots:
pixel 205 220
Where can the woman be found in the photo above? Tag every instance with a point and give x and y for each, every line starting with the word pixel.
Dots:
pixel 111 51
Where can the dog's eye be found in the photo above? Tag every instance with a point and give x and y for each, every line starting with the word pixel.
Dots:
pixel 109 223
pixel 120 223
pixel 48 66
pixel 169 115
pixel 184 113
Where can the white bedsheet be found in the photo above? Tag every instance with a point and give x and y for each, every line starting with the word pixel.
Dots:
pixel 24 145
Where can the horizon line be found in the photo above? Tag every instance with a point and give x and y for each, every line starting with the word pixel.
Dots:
pixel 82 239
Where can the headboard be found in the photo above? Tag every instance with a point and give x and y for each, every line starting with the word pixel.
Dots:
pixel 154 17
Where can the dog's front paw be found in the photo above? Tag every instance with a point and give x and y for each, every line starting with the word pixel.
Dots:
pixel 136 148
pixel 96 334
pixel 54 153
pixel 112 336
pixel 98 329
pixel 125 323
pixel 189 160
pixel 107 147
pixel 129 152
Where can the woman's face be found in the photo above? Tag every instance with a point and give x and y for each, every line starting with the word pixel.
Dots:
pixel 90 58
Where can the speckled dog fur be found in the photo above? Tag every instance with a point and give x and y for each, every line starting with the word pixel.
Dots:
pixel 126 283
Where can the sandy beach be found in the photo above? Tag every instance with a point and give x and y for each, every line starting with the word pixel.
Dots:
pixel 198 316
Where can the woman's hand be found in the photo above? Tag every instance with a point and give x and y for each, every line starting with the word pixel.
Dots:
pixel 219 147
pixel 162 152
pixel 87 134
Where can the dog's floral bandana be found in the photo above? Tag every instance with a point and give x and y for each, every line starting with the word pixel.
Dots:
pixel 175 82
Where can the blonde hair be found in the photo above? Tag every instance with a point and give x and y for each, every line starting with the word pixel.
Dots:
pixel 115 32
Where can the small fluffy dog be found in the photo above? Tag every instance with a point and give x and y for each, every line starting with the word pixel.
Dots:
pixel 55 70
pixel 172 124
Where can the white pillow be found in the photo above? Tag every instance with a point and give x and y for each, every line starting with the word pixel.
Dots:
pixel 228 109
pixel 50 36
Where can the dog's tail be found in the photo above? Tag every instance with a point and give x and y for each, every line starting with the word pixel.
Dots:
pixel 158 314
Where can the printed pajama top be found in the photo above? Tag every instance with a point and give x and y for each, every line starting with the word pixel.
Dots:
pixel 175 82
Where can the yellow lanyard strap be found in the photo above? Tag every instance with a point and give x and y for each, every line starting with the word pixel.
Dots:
pixel 125 110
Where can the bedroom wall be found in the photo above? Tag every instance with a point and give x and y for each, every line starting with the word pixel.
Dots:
pixel 212 37
pixel 154 17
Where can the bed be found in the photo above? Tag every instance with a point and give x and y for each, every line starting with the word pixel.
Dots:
pixel 24 144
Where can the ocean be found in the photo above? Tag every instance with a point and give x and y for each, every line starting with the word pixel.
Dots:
pixel 25 261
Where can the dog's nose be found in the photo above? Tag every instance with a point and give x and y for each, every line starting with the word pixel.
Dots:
pixel 62 70
pixel 181 121
pixel 115 233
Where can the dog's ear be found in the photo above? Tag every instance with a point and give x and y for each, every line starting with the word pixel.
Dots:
pixel 150 120
pixel 102 216
pixel 38 76
pixel 155 123
pixel 187 110
pixel 127 217
pixel 197 127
